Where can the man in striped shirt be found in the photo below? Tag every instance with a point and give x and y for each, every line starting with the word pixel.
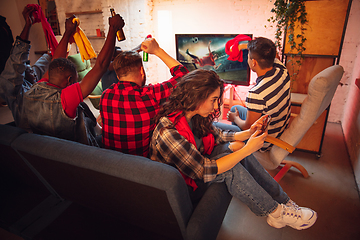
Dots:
pixel 270 95
pixel 128 107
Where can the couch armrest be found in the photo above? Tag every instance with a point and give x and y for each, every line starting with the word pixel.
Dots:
pixel 208 216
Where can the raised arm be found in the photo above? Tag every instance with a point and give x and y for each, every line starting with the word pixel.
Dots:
pixel 61 50
pixel 91 79
pixel 152 47
pixel 70 28
pixel 27 12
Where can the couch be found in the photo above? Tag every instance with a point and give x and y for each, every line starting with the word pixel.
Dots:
pixel 57 189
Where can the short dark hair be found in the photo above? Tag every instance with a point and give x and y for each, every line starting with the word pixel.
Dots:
pixel 263 50
pixel 127 62
pixel 61 66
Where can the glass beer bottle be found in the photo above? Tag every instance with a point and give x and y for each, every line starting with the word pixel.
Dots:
pixel 120 33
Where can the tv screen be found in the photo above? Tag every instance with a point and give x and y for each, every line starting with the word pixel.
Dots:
pixel 226 54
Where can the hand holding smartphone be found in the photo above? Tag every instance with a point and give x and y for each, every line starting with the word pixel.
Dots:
pixel 266 122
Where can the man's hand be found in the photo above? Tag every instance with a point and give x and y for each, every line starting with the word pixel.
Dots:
pixel 27 14
pixel 70 26
pixel 150 46
pixel 231 116
pixel 116 22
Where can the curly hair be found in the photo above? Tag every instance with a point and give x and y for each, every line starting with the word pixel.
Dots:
pixel 190 92
pixel 262 50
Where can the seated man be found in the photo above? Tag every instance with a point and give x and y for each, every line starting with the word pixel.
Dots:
pixel 127 108
pixel 52 105
pixel 110 76
pixel 269 96
pixel 18 76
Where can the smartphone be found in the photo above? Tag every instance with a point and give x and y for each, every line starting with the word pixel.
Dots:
pixel 266 122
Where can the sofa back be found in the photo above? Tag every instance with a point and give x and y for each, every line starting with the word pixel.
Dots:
pixel 12 167
pixel 134 189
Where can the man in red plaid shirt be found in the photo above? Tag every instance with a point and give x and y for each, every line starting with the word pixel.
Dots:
pixel 128 107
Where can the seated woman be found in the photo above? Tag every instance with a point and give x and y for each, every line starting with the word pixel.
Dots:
pixel 186 139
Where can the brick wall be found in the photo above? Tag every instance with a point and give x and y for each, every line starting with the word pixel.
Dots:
pixel 348 96
pixel 144 17
pixel 201 16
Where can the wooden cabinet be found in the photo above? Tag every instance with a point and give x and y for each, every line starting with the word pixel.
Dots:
pixel 325 36
pixel 312 140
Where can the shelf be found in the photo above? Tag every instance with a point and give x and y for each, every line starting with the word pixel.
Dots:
pixel 68 14
pixel 95 37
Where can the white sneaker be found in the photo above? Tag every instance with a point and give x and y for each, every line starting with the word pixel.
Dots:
pixel 291 203
pixel 296 217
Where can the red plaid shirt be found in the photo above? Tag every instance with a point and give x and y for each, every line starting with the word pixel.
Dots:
pixel 127 111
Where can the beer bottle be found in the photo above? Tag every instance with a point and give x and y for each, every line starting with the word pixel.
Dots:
pixel 120 33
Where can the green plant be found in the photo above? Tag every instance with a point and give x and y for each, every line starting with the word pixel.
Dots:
pixel 290 15
pixel 290 20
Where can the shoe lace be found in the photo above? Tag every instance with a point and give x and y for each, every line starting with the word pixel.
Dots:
pixel 291 211
pixel 292 204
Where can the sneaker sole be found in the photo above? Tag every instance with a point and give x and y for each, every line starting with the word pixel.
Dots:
pixel 274 224
pixel 310 222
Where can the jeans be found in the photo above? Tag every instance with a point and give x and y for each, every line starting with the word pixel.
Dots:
pixel 233 127
pixel 249 182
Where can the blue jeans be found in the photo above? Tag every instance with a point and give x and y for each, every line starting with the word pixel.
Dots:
pixel 233 127
pixel 249 182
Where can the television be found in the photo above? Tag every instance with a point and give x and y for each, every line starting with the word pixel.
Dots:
pixel 226 54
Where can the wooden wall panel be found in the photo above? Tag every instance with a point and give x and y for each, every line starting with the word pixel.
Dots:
pixel 325 27
pixel 309 68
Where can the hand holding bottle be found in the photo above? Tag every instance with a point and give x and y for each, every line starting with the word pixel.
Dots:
pixel 120 33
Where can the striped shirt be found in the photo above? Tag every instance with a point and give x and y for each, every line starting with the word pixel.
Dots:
pixel 271 95
pixel 127 111
pixel 169 146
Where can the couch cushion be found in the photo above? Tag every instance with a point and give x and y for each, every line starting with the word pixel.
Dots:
pixel 80 65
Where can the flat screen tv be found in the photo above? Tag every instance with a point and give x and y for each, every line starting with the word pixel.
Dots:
pixel 226 54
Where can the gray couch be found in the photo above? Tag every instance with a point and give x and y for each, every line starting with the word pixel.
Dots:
pixel 83 192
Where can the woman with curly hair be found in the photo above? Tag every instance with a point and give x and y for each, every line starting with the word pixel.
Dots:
pixel 186 139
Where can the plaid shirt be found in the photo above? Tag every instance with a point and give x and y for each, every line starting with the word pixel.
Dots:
pixel 127 111
pixel 168 146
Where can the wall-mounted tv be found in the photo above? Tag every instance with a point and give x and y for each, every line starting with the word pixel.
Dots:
pixel 226 54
